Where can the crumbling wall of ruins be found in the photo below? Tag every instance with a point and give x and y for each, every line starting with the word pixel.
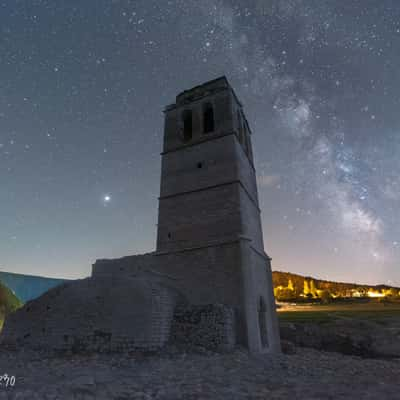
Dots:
pixel 210 326
pixel 204 275
pixel 133 304
pixel 95 314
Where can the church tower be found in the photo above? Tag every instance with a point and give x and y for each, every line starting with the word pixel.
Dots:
pixel 209 206
pixel 209 254
pixel 208 183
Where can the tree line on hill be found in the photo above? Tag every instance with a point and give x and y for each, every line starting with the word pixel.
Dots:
pixel 9 302
pixel 290 287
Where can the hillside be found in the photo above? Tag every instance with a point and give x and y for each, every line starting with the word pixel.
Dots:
pixel 9 302
pixel 289 286
pixel 28 287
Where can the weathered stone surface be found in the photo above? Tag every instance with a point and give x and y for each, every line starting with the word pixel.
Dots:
pixel 96 314
pixel 347 336
pixel 308 374
pixel 210 327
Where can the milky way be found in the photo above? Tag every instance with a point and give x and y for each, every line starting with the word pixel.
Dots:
pixel 82 88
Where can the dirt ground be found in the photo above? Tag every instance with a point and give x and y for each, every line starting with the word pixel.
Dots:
pixel 307 374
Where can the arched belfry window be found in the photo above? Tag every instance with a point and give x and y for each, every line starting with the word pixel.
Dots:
pixel 262 321
pixel 187 125
pixel 208 118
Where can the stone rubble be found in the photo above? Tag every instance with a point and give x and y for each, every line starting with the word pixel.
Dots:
pixel 173 375
pixel 353 336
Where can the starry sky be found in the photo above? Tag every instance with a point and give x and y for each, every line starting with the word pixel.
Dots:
pixel 83 86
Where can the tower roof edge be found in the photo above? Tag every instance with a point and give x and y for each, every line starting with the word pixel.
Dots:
pixel 202 90
pixel 220 80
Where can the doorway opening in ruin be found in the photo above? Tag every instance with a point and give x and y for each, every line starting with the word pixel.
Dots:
pixel 262 322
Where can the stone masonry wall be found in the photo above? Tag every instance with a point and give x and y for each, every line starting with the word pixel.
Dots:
pixel 210 275
pixel 95 314
pixel 209 326
pixel 199 217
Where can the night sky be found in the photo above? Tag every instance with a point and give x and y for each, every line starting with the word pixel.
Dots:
pixel 82 89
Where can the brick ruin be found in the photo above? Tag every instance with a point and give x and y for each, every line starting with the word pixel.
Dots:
pixel 208 282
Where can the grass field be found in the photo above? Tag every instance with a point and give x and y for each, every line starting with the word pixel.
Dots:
pixel 316 312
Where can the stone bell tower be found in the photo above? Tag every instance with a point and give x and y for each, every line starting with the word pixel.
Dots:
pixel 209 215
pixel 208 183
pixel 210 252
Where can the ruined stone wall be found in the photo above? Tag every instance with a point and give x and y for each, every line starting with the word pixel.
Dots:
pixel 207 275
pixel 130 303
pixel 264 301
pixel 209 326
pixel 203 275
pixel 95 314
pixel 129 266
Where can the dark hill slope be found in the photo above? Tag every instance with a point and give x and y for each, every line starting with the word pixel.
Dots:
pixel 28 287
pixel 9 302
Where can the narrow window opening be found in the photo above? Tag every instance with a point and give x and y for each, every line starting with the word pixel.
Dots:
pixel 262 322
pixel 187 125
pixel 169 235
pixel 199 165
pixel 208 118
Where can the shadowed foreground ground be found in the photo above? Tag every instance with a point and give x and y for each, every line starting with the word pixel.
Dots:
pixel 308 374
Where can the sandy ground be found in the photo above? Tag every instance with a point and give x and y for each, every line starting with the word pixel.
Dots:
pixel 307 374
